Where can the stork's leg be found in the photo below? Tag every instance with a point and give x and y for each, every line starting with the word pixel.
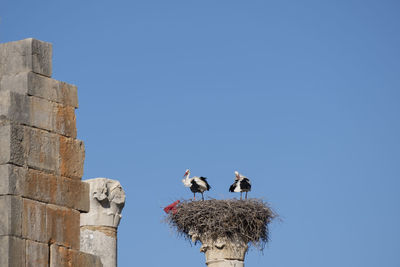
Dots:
pixel 240 195
pixel 246 195
pixel 194 196
pixel 202 196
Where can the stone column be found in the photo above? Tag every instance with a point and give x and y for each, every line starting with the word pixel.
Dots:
pixel 223 252
pixel 99 226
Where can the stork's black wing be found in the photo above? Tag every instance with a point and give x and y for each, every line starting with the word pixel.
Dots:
pixel 232 187
pixel 245 184
pixel 204 179
pixel 195 188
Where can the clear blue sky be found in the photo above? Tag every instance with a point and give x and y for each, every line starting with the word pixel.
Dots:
pixel 303 97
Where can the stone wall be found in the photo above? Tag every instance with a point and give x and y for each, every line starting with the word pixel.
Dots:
pixel 41 162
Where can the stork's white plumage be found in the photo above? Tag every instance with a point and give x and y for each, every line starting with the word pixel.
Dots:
pixel 196 184
pixel 241 184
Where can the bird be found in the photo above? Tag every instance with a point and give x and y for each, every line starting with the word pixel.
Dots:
pixel 196 184
pixel 241 184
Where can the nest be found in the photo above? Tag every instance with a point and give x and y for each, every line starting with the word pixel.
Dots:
pixel 232 219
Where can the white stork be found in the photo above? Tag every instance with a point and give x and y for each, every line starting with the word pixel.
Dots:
pixel 241 184
pixel 196 184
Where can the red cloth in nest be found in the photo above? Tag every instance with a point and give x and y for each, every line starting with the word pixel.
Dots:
pixel 171 207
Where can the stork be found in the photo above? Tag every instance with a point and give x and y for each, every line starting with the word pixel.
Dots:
pixel 241 184
pixel 196 184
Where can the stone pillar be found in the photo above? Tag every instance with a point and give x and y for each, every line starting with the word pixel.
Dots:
pixel 222 252
pixel 99 226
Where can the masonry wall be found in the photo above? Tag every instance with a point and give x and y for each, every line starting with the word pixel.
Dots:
pixel 41 162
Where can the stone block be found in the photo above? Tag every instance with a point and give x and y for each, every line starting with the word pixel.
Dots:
pixel 64 257
pixel 12 251
pixel 10 215
pixel 12 144
pixel 6 154
pixel 44 187
pixel 14 107
pixel 34 220
pixel 57 190
pixel 52 117
pixel 68 94
pixel 63 226
pixel 12 179
pixel 73 194
pixel 38 112
pixel 30 83
pixel 19 83
pixel 85 259
pixel 42 113
pixel 37 254
pixel 40 186
pixel 72 156
pixel 65 121
pixel 26 55
pixel 43 149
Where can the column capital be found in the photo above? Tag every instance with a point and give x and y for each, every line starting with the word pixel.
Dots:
pixel 107 199
pixel 221 251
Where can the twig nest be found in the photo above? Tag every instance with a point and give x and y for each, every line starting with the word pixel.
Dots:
pixel 211 221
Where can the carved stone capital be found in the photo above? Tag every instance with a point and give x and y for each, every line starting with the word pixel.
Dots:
pixel 107 199
pixel 221 251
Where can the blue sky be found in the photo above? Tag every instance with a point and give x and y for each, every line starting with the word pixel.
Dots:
pixel 300 96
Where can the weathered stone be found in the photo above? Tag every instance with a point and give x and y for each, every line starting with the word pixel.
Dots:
pixel 14 107
pixel 12 179
pixel 63 226
pixel 12 251
pixel 64 257
pixel 52 117
pixel 40 162
pixel 26 55
pixel 26 145
pixel 107 199
pixel 10 215
pixel 34 220
pixel 38 112
pixel 225 263
pixel 5 144
pixel 41 114
pixel 57 190
pixel 222 252
pixel 99 225
pixel 61 256
pixel 30 83
pixel 73 194
pixel 72 156
pixel 87 259
pixel 37 254
pixel 40 186
pixel 65 121
pixel 101 241
pixel 69 94
pixel 43 149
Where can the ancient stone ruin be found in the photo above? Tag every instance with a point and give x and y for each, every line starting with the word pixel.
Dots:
pixel 48 216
